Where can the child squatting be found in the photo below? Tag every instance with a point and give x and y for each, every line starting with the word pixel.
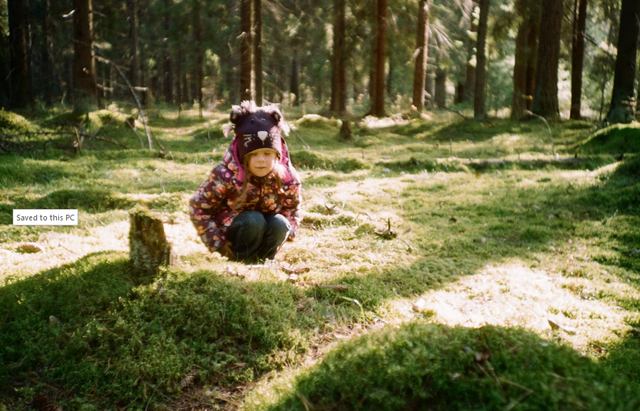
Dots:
pixel 250 204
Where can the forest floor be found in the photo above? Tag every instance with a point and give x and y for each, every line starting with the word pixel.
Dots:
pixel 441 264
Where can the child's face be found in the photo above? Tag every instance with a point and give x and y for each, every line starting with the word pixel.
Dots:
pixel 262 161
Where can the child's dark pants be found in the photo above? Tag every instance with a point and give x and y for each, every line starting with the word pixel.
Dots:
pixel 255 236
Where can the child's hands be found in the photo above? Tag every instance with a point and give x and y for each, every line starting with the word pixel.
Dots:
pixel 225 251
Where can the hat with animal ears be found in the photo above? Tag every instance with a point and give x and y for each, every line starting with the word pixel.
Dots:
pixel 256 128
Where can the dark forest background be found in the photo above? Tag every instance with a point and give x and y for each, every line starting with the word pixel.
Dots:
pixel 573 58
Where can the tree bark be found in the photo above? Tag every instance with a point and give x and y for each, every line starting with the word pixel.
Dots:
pixel 621 109
pixel 470 72
pixel 422 48
pixel 520 72
pixel 524 67
pixel 545 99
pixel 479 110
pixel 377 105
pixel 246 92
pixel 134 77
pixel 257 52
pixel 577 56
pixel 294 83
pixel 339 82
pixel 46 68
pixel 19 70
pixel 167 75
pixel 441 88
pixel 198 69
pixel 84 67
pixel 532 56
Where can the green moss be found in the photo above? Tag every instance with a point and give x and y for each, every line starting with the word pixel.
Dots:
pixel 419 366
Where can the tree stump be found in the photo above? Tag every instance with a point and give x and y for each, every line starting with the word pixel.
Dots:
pixel 148 245
pixel 345 131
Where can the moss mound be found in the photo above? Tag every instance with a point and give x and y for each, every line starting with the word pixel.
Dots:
pixel 426 366
pixel 615 139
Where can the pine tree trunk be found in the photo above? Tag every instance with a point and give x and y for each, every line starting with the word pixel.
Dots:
pixel 545 99
pixel 132 12
pixel 518 104
pixel 19 71
pixel 257 52
pixel 532 57
pixel 377 106
pixel 339 81
pixel 294 83
pixel 621 109
pixel 479 110
pixel 459 96
pixel 84 68
pixel 167 78
pixel 47 47
pixel 577 57
pixel 422 47
pixel 470 72
pixel 198 69
pixel 245 50
pixel 441 88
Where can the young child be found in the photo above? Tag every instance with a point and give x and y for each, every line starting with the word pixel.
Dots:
pixel 249 205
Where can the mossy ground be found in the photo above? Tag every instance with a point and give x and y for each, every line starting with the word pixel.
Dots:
pixel 491 229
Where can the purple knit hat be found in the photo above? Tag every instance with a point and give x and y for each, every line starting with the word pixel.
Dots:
pixel 257 128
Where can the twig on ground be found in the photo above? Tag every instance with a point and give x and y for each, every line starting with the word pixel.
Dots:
pixel 553 146
pixel 135 96
pixel 307 146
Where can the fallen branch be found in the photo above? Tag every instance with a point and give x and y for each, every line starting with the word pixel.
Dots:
pixel 135 97
pixel 455 111
pixel 307 146
pixel 553 147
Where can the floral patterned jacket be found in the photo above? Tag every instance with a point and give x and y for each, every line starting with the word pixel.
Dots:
pixel 211 207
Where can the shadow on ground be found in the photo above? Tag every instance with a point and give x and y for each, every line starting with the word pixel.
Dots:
pixel 432 367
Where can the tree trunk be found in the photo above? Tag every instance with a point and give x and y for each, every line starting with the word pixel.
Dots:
pixel 339 82
pixel 132 12
pixel 470 72
pixel 178 79
pixel 167 77
pixel 198 69
pixel 441 88
pixel 84 68
pixel 479 110
pixel 621 109
pixel 377 105
pixel 257 52
pixel 422 48
pixel 294 83
pixel 460 93
pixel 518 104
pixel 19 71
pixel 524 67
pixel 532 57
pixel 577 56
pixel 245 51
pixel 545 99
pixel 47 47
